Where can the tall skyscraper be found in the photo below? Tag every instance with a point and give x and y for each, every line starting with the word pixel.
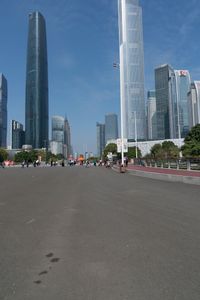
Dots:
pixel 131 69
pixel 67 139
pixel 61 136
pixel 151 115
pixel 3 111
pixel 37 111
pixel 57 134
pixel 111 127
pixel 179 86
pixel 17 135
pixel 162 75
pixel 194 104
pixel 100 139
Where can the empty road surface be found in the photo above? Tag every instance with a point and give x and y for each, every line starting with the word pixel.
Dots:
pixel 93 234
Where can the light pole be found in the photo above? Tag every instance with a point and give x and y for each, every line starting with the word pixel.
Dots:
pixel 136 148
pixel 117 65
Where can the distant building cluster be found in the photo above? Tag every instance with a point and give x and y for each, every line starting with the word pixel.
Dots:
pixel 106 132
pixel 36 133
pixel 171 109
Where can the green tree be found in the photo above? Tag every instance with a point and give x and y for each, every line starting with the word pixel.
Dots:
pixel 110 148
pixel 157 152
pixel 132 152
pixel 29 156
pixel 170 150
pixel 191 147
pixel 3 155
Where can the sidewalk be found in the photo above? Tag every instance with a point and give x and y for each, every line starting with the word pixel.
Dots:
pixel 184 176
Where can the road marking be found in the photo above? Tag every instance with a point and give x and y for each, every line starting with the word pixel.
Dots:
pixel 31 221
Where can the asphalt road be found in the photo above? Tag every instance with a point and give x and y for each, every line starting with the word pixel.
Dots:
pixel 94 234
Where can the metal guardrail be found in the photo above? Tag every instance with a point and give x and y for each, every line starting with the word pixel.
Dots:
pixel 182 164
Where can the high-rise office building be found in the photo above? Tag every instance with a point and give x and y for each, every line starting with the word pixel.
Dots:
pixel 179 86
pixel 61 136
pixel 3 111
pixel 37 111
pixel 151 115
pixel 131 69
pixel 111 127
pixel 67 139
pixel 57 140
pixel 162 75
pixel 194 104
pixel 100 138
pixel 17 135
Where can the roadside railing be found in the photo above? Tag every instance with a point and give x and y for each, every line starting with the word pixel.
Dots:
pixel 180 164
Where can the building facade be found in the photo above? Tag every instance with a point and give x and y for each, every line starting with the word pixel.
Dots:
pixel 3 111
pixel 61 136
pixel 179 86
pixel 131 69
pixel 194 104
pixel 37 107
pixel 151 115
pixel 67 139
pixel 100 139
pixel 57 140
pixel 111 127
pixel 162 76
pixel 17 135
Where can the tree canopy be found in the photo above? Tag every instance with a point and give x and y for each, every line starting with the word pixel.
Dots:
pixel 132 152
pixel 168 150
pixel 191 147
pixel 110 148
pixel 3 155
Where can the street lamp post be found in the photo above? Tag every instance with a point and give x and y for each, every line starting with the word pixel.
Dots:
pixel 117 65
pixel 136 148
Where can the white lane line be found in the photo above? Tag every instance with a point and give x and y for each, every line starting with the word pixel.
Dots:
pixel 31 221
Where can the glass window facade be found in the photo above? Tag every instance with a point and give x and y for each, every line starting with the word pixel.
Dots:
pixel 194 104
pixel 179 112
pixel 151 115
pixel 131 69
pixel 100 139
pixel 162 75
pixel 18 135
pixel 3 111
pixel 37 111
pixel 111 127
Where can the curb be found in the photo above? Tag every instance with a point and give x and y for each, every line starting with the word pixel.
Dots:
pixel 165 177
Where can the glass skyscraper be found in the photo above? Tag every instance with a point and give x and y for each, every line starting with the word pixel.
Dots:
pixel 131 69
pixel 61 136
pixel 37 111
pixel 151 115
pixel 17 132
pixel 100 139
pixel 162 75
pixel 179 86
pixel 3 111
pixel 194 104
pixel 111 127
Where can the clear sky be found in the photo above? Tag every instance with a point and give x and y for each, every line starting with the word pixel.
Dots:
pixel 82 37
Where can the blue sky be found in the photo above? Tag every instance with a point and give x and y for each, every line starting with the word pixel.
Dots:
pixel 82 46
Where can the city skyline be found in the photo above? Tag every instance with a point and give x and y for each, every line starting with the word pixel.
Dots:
pixel 71 68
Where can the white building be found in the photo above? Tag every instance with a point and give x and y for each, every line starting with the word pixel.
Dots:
pixel 131 69
pixel 194 104
pixel 151 115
